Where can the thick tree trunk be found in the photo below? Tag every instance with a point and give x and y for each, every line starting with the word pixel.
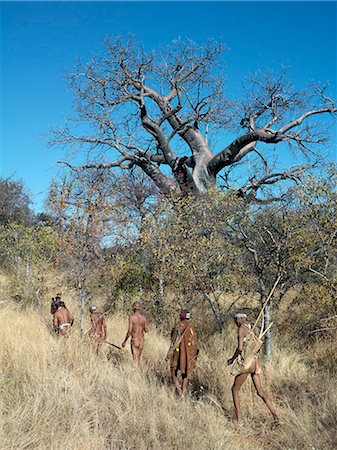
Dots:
pixel 201 156
pixel 202 179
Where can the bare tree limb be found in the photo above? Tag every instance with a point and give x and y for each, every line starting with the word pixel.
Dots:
pixel 299 120
pixel 117 163
pixel 316 272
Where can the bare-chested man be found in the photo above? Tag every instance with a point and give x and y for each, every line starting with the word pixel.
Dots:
pixel 253 369
pixel 62 319
pixel 98 331
pixel 137 326
pixel 184 338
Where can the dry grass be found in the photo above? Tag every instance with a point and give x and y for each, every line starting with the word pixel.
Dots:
pixel 58 395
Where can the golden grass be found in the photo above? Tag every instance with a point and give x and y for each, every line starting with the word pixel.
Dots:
pixel 56 394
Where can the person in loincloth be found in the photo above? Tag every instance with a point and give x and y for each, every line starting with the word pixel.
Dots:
pixel 98 331
pixel 245 367
pixel 63 320
pixel 137 326
pixel 185 342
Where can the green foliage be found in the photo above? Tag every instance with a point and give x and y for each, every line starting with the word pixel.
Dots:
pixel 35 245
pixel 28 252
pixel 192 244
pixel 129 274
pixel 193 248
pixel 14 203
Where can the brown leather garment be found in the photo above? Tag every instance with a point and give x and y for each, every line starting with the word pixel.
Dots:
pixel 184 357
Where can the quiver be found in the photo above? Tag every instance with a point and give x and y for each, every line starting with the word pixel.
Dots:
pixel 175 345
pixel 245 362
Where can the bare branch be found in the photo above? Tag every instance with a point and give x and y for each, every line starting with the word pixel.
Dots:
pixel 299 120
pixel 249 191
pixel 152 107
pixel 117 163
pixel 228 155
pixel 316 272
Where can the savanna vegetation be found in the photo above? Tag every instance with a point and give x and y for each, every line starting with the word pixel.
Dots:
pixel 176 223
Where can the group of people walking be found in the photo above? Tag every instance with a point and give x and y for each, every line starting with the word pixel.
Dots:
pixel 183 351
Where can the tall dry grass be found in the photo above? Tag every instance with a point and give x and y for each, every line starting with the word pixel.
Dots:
pixel 57 394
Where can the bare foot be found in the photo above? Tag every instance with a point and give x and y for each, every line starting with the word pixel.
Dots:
pixel 238 423
pixel 276 422
pixel 178 392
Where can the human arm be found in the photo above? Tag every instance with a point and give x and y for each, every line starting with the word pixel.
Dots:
pixel 239 348
pixel 71 318
pixel 128 334
pixel 146 326
pixel 55 323
pixel 174 332
pixel 92 330
pixel 104 329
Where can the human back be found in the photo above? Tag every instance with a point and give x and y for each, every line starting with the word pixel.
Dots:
pixel 98 323
pixel 137 326
pixel 62 315
pixel 63 320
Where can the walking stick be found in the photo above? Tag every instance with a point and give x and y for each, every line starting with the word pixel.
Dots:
pixel 266 330
pixel 113 345
pixel 265 303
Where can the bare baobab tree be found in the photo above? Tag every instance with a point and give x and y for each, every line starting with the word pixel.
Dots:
pixel 161 110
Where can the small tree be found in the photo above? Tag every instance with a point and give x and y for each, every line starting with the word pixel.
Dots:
pixel 316 246
pixel 14 203
pixel 29 251
pixel 82 208
pixel 266 239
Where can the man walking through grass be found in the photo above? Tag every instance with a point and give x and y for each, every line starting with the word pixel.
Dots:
pixel 137 326
pixel 247 364
pixel 98 331
pixel 184 350
pixel 62 319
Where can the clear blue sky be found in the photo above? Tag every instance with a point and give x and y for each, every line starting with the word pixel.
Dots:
pixel 41 41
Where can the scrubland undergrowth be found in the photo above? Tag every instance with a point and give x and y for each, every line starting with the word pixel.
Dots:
pixel 56 394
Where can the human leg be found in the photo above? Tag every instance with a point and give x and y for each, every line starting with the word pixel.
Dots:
pixel 262 394
pixel 100 350
pixel 238 382
pixel 175 379
pixel 185 384
pixel 135 350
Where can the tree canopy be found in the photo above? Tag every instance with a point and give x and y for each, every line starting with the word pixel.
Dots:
pixel 167 112
pixel 14 202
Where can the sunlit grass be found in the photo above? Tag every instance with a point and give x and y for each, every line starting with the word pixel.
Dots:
pixel 57 394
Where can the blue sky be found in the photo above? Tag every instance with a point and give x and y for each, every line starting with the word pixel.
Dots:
pixel 41 41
